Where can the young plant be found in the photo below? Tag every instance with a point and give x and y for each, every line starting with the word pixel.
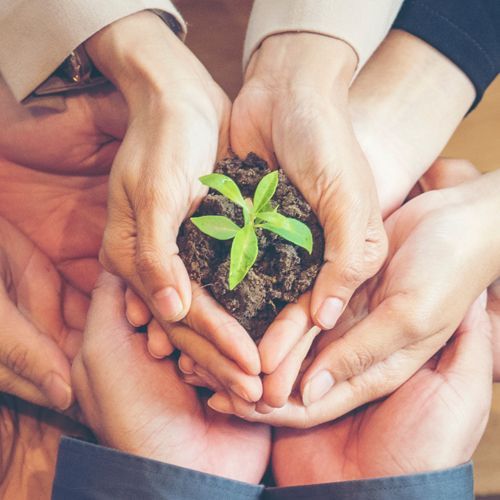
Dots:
pixel 256 213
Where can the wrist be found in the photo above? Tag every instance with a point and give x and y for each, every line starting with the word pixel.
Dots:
pixel 145 60
pixel 481 199
pixel 304 59
pixel 414 84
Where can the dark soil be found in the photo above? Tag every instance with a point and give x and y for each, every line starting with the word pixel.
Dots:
pixel 282 271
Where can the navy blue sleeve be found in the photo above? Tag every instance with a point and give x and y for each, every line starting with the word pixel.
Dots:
pixel 465 31
pixel 449 484
pixel 87 471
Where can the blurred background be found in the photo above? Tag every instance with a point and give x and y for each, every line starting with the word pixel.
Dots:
pixel 216 32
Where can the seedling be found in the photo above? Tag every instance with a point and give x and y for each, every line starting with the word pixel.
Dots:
pixel 256 213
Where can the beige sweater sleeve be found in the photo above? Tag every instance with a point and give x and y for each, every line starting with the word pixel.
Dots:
pixel 37 35
pixel 363 24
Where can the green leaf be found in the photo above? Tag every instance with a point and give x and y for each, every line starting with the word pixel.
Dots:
pixel 265 190
pixel 244 251
pixel 225 186
pixel 290 229
pixel 216 226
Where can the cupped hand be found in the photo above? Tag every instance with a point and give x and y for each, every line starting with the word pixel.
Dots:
pixel 177 127
pixel 41 317
pixel 403 316
pixel 293 111
pixel 434 421
pixel 154 414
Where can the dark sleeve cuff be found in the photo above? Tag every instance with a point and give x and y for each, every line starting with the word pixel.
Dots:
pixel 87 471
pixel 465 31
pixel 448 484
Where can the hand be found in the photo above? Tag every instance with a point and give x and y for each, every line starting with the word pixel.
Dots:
pixel 402 317
pixel 293 108
pixel 79 136
pixel 434 421
pixel 49 189
pixel 494 313
pixel 40 318
pixel 178 124
pixel 51 185
pixel 141 406
pixel 393 104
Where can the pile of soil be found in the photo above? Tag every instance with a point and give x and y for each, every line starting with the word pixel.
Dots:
pixel 282 271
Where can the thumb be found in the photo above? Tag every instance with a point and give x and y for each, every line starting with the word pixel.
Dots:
pixel 355 249
pixel 468 356
pixel 139 244
pixel 164 277
pixel 32 366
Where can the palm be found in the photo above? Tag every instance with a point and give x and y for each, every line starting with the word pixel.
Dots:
pixel 36 288
pixel 154 413
pixel 49 187
pixel 402 434
pixel 80 139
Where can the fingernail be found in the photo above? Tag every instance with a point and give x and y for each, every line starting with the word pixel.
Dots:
pixel 241 393
pixel 183 367
pixel 153 355
pixel 168 303
pixel 317 387
pixel 58 392
pixel 220 404
pixel 329 312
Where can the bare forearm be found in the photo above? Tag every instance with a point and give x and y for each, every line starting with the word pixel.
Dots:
pixel 405 105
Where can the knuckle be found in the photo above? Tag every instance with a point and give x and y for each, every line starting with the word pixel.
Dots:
pixel 352 274
pixel 416 322
pixel 354 361
pixel 17 360
pixel 148 263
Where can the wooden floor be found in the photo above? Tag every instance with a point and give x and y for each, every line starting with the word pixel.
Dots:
pixel 216 31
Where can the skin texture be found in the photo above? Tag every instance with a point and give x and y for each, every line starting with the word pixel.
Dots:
pixel 175 425
pixel 287 113
pixel 46 278
pixel 433 421
pixel 392 101
pixel 415 293
pixel 38 337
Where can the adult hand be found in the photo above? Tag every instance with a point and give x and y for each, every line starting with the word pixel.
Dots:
pixel 406 314
pixel 293 110
pixel 434 421
pixel 154 414
pixel 178 124
pixel 40 319
pixel 494 313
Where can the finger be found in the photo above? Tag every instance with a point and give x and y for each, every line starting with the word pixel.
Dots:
pixel 279 385
pixel 468 356
pixel 147 259
pixel 159 345
pixel 197 381
pixel 163 274
pixel 447 172
pixel 32 356
pixel 383 332
pixel 204 353
pixel 208 318
pixel 186 364
pixel 138 313
pixel 378 381
pixel 229 403
pixel 284 332
pixel 355 249
pixel 208 380
pixel 11 383
pixel 107 309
